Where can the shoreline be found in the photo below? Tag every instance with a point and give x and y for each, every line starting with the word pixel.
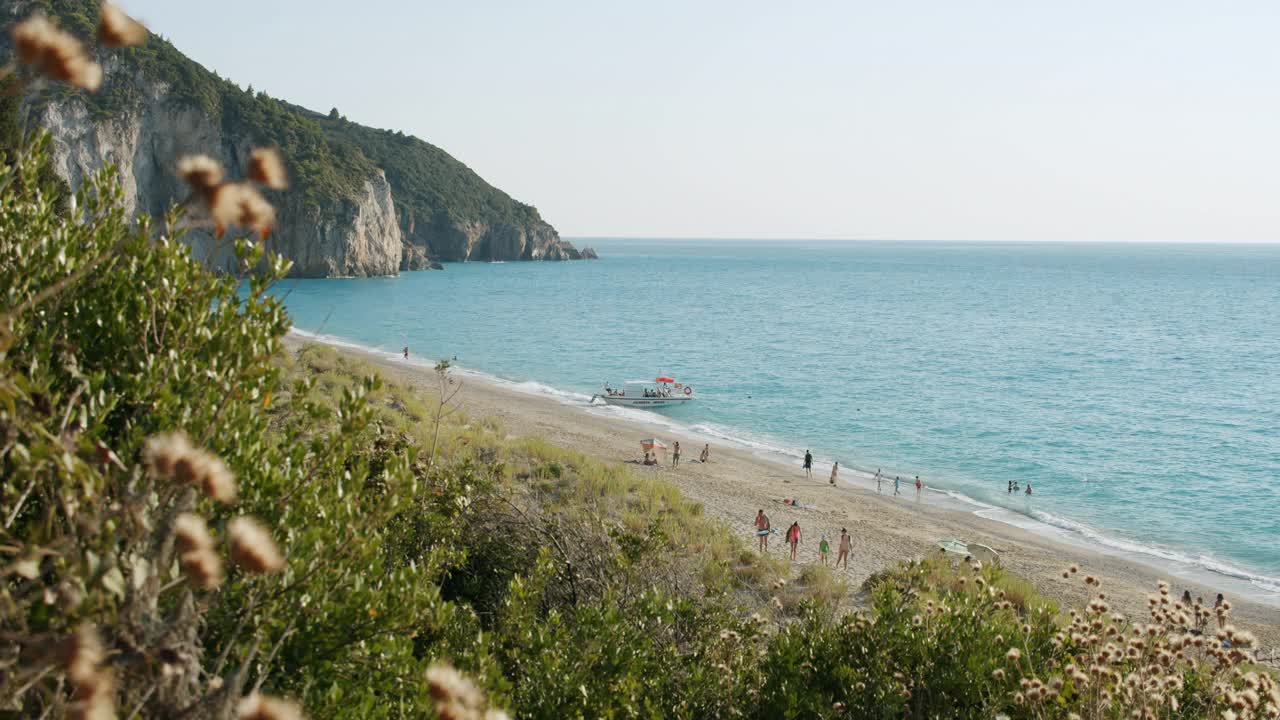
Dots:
pixel 741 479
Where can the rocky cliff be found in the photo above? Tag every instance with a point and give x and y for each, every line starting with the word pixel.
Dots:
pixel 362 201
pixel 354 235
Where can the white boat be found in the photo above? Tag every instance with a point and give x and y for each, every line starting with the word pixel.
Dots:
pixel 662 391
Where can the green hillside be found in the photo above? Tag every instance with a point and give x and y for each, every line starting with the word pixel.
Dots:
pixel 329 157
pixel 426 179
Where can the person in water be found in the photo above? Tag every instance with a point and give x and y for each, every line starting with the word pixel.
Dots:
pixel 919 487
pixel 808 464
pixel 835 472
pixel 793 538
pixel 897 483
pixel 1010 487
pixel 675 455
pixel 705 455
pixel 406 352
pixel 842 552
pixel 762 530
pixel 1028 489
pixel 823 548
pixel 879 480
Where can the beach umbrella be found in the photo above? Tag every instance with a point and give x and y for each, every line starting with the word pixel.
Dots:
pixel 664 378
pixel 654 451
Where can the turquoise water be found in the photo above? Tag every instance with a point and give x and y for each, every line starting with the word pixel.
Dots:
pixel 1151 370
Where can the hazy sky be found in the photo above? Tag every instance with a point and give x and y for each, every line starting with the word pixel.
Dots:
pixel 955 119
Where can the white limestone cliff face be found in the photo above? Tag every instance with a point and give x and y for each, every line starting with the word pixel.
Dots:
pixel 356 236
pixel 475 240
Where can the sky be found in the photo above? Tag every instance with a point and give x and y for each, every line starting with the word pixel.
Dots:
pixel 949 120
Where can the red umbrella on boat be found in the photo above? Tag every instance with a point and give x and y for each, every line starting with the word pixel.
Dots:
pixel 665 379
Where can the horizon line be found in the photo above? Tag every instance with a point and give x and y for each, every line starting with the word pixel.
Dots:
pixel 725 238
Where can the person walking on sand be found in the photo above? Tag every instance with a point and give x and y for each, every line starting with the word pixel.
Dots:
pixel 762 530
pixel 793 538
pixel 897 483
pixel 835 472
pixel 919 487
pixel 808 465
pixel 823 548
pixel 842 553
pixel 705 455
pixel 675 455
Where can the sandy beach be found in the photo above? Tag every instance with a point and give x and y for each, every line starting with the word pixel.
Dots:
pixel 885 529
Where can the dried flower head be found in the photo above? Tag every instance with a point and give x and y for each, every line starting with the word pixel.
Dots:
pixel 190 533
pixel 202 173
pixel 93 698
pixel 93 687
pixel 215 478
pixel 162 452
pixel 82 654
pixel 203 568
pixel 173 456
pixel 239 204
pixel 457 698
pixel 264 707
pixel 266 167
pixel 55 53
pixel 252 546
pixel 1013 655
pixel 116 29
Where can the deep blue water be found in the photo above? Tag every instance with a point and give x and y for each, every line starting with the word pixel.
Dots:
pixel 1152 370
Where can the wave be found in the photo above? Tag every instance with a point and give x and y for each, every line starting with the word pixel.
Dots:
pixel 1201 562
pixel 1037 521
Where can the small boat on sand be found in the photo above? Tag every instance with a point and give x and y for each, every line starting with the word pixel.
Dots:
pixel 662 391
pixel 953 546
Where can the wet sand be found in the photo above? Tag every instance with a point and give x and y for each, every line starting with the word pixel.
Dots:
pixel 885 529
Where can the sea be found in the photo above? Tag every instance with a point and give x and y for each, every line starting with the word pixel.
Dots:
pixel 1134 387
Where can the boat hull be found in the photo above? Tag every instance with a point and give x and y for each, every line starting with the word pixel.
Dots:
pixel 644 402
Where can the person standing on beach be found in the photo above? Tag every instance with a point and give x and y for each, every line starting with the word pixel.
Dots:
pixel 879 480
pixel 835 472
pixel 808 464
pixel 919 487
pixel 406 352
pixel 793 538
pixel 1220 608
pixel 823 548
pixel 675 456
pixel 897 483
pixel 762 530
pixel 705 455
pixel 842 553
